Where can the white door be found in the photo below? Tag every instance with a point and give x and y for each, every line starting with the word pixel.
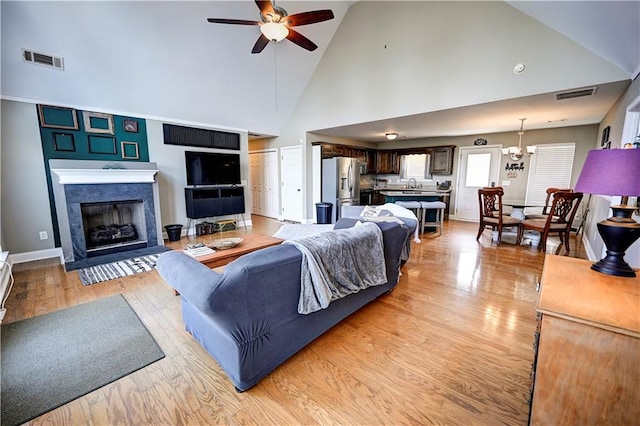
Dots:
pixel 292 181
pixel 264 183
pixel 478 167
pixel 270 183
pixel 255 176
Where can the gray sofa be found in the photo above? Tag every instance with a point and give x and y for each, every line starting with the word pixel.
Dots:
pixel 247 317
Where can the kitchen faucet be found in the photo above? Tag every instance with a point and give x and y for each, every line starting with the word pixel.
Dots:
pixel 415 183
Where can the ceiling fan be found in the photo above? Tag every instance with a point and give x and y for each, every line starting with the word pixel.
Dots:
pixel 276 25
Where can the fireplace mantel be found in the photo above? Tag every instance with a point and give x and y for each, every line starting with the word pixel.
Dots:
pixel 88 176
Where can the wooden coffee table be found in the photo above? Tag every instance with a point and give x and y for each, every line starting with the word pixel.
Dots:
pixel 250 242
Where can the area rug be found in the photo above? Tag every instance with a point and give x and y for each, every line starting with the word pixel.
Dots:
pixel 52 359
pixel 122 268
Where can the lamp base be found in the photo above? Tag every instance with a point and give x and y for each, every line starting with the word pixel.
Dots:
pixel 614 264
pixel 618 235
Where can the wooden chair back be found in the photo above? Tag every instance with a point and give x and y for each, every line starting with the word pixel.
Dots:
pixel 550 192
pixel 490 202
pixel 561 214
pixel 563 208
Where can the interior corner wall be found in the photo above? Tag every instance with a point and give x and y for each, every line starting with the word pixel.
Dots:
pixel 25 200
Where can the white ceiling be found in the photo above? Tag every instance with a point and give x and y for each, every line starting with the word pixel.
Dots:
pixel 163 60
pixel 610 29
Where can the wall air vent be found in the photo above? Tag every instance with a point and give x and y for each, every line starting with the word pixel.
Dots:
pixel 576 93
pixel 44 59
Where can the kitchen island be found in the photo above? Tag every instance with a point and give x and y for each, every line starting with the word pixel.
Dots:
pixel 391 196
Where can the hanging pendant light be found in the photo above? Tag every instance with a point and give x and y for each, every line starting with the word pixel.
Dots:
pixel 515 152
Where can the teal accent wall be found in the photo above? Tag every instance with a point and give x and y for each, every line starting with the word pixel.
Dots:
pixel 65 136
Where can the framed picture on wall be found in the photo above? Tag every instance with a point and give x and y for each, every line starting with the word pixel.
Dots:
pixel 129 150
pixel 102 144
pixel 605 137
pixel 63 142
pixel 97 122
pixel 130 126
pixel 57 117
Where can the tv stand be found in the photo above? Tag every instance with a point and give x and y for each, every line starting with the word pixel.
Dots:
pixel 211 201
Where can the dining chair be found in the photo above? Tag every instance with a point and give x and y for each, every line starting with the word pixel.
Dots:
pixel 490 200
pixel 558 221
pixel 544 214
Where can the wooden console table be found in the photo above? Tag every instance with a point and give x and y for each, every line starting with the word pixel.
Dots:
pixel 588 346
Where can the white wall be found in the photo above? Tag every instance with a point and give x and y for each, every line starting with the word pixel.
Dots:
pixel 160 58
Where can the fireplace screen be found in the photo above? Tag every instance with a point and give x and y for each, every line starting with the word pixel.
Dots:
pixel 109 224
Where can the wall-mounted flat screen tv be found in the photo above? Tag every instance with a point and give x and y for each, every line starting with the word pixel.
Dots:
pixel 208 168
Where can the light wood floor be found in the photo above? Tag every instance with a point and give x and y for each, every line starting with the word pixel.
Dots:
pixel 450 345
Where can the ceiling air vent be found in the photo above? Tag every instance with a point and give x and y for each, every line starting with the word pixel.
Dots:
pixel 576 93
pixel 44 59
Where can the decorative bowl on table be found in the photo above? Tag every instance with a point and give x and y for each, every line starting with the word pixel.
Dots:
pixel 225 243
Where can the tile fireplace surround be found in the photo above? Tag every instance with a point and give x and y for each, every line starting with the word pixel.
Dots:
pixel 84 181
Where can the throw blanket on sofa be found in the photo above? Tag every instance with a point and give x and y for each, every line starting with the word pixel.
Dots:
pixel 338 263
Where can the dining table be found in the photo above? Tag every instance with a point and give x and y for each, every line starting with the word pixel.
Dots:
pixel 517 211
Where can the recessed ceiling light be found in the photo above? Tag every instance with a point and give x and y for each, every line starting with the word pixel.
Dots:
pixel 519 68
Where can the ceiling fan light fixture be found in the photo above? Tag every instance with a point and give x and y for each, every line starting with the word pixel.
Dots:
pixel 391 136
pixel 274 31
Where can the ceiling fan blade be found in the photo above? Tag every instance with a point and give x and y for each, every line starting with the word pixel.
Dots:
pixel 265 7
pixel 301 40
pixel 261 43
pixel 307 18
pixel 232 21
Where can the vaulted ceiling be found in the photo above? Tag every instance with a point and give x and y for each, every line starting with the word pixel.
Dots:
pixel 164 60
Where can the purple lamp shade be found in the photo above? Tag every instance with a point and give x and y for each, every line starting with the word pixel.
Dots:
pixel 611 172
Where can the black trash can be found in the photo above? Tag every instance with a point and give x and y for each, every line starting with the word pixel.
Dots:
pixel 173 232
pixel 323 213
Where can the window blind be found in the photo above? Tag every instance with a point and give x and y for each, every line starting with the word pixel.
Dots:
pixel 550 166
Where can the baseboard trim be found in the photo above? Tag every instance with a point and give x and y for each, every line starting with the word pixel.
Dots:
pixel 30 256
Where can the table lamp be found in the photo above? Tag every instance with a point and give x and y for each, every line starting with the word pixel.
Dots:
pixel 614 172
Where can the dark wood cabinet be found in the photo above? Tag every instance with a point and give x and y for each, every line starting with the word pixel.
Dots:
pixel 387 162
pixel 586 361
pixel 442 160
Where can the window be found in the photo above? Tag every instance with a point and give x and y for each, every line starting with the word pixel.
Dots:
pixel 415 166
pixel 550 166
pixel 478 170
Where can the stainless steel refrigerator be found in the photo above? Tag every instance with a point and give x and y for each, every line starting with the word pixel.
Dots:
pixel 340 183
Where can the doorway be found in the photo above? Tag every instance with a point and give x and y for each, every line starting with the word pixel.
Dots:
pixel 479 167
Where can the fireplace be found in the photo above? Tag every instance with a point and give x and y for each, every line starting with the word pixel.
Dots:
pixel 105 208
pixel 111 226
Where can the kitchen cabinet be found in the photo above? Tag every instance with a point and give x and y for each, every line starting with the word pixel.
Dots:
pixel 377 199
pixel 442 160
pixel 387 162
pixel 585 367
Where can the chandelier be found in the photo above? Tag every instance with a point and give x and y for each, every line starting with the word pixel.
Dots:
pixel 515 152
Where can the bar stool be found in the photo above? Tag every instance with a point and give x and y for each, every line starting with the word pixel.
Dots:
pixel 413 205
pixel 439 207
